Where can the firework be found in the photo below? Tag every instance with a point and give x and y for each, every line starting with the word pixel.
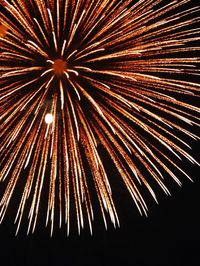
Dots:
pixel 77 76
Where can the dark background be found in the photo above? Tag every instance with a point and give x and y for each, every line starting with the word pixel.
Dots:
pixel 168 237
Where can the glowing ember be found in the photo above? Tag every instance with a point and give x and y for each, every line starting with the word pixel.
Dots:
pixel 48 118
pixel 59 66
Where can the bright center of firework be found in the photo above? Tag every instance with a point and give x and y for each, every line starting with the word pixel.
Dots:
pixel 59 66
pixel 48 118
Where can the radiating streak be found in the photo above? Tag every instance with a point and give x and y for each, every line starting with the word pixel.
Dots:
pixel 95 105
pixel 73 71
pixel 46 72
pixel 61 94
pixel 84 68
pixel 53 29
pixel 16 14
pixel 58 17
pixel 92 52
pixel 74 116
pixel 41 30
pixel 55 41
pixel 17 89
pixel 49 82
pixel 73 20
pixel 87 48
pixel 20 71
pixel 15 55
pixel 37 47
pixel 63 47
pixel 93 27
pixel 50 61
pixel 70 55
pixel 66 74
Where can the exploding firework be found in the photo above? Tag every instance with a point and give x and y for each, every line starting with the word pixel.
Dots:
pixel 79 77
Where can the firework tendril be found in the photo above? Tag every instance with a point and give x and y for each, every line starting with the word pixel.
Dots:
pixel 78 77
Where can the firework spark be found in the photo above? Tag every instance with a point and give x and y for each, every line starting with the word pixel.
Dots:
pixel 80 75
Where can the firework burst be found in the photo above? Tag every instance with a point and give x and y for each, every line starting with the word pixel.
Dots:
pixel 80 75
